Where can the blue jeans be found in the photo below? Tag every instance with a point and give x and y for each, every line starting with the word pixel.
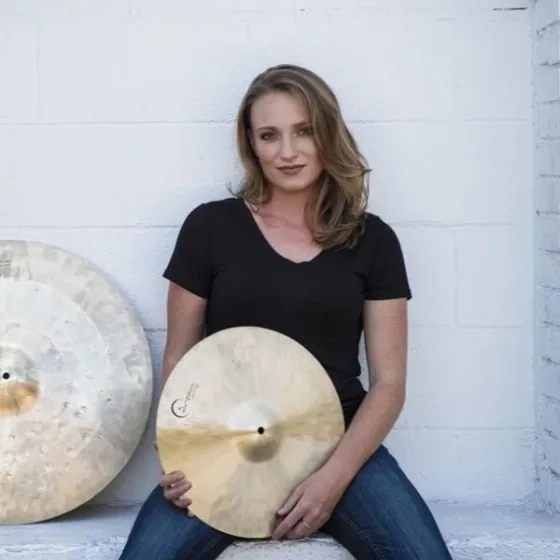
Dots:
pixel 381 516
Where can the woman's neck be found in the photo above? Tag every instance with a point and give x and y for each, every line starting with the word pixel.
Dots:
pixel 294 208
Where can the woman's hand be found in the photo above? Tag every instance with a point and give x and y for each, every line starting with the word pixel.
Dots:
pixel 175 487
pixel 309 506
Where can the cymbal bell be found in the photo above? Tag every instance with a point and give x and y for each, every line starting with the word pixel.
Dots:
pixel 247 414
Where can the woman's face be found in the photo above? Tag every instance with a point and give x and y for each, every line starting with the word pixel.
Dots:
pixel 282 140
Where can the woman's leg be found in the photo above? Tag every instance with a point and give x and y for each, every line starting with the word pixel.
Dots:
pixel 381 516
pixel 162 531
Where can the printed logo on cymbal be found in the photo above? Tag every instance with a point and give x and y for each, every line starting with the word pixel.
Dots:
pixel 179 407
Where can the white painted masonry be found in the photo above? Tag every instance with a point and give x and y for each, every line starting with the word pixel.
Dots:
pixel 116 120
pixel 546 19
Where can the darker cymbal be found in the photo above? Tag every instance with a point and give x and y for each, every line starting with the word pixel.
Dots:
pixel 75 381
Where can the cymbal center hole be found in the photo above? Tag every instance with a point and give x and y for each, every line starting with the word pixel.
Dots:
pixel 260 430
pixel 6 375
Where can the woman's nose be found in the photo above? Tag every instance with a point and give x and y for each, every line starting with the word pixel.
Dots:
pixel 287 148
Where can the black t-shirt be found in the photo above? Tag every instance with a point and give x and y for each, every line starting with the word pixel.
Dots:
pixel 221 255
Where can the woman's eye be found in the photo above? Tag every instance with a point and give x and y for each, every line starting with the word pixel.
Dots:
pixel 271 135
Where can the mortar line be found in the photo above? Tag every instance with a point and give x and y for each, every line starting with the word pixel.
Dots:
pixel 229 122
pixel 441 226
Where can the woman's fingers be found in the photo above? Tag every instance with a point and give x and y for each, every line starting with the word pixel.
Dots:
pixel 170 478
pixel 176 491
pixel 175 486
pixel 182 502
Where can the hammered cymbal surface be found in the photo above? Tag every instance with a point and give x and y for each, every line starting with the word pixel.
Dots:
pixel 246 415
pixel 75 381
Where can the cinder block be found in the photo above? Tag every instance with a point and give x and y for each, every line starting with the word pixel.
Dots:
pixel 96 175
pixel 547 268
pixel 548 157
pixel 469 378
pixel 547 194
pixel 375 45
pixel 494 283
pixel 549 487
pixel 547 306
pixel 551 448
pixel 492 73
pixel 430 260
pixel 548 343
pixel 546 86
pixel 471 466
pixel 142 72
pixel 548 233
pixel 547 122
pixel 548 413
pixel 547 371
pixel 547 46
pixel 440 173
pixel 545 13
pixel 552 307
pixel 18 68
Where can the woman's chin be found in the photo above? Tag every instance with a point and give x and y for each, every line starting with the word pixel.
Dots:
pixel 293 184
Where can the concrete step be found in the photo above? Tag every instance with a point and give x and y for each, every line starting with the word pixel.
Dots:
pixel 473 533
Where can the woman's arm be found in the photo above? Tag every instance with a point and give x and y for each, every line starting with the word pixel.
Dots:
pixel 312 502
pixel 185 326
pixel 386 343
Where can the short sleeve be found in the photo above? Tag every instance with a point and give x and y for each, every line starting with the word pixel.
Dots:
pixel 387 276
pixel 190 265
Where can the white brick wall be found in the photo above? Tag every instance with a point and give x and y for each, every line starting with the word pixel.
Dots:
pixel 116 119
pixel 546 24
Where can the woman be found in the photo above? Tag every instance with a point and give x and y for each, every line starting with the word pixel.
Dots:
pixel 295 251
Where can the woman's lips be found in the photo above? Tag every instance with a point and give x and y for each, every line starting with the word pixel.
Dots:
pixel 291 169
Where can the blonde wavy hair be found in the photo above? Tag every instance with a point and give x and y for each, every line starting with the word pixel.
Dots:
pixel 341 200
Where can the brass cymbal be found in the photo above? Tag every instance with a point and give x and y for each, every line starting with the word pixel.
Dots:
pixel 75 381
pixel 247 414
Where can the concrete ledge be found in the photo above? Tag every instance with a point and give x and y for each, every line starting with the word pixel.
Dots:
pixel 473 533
